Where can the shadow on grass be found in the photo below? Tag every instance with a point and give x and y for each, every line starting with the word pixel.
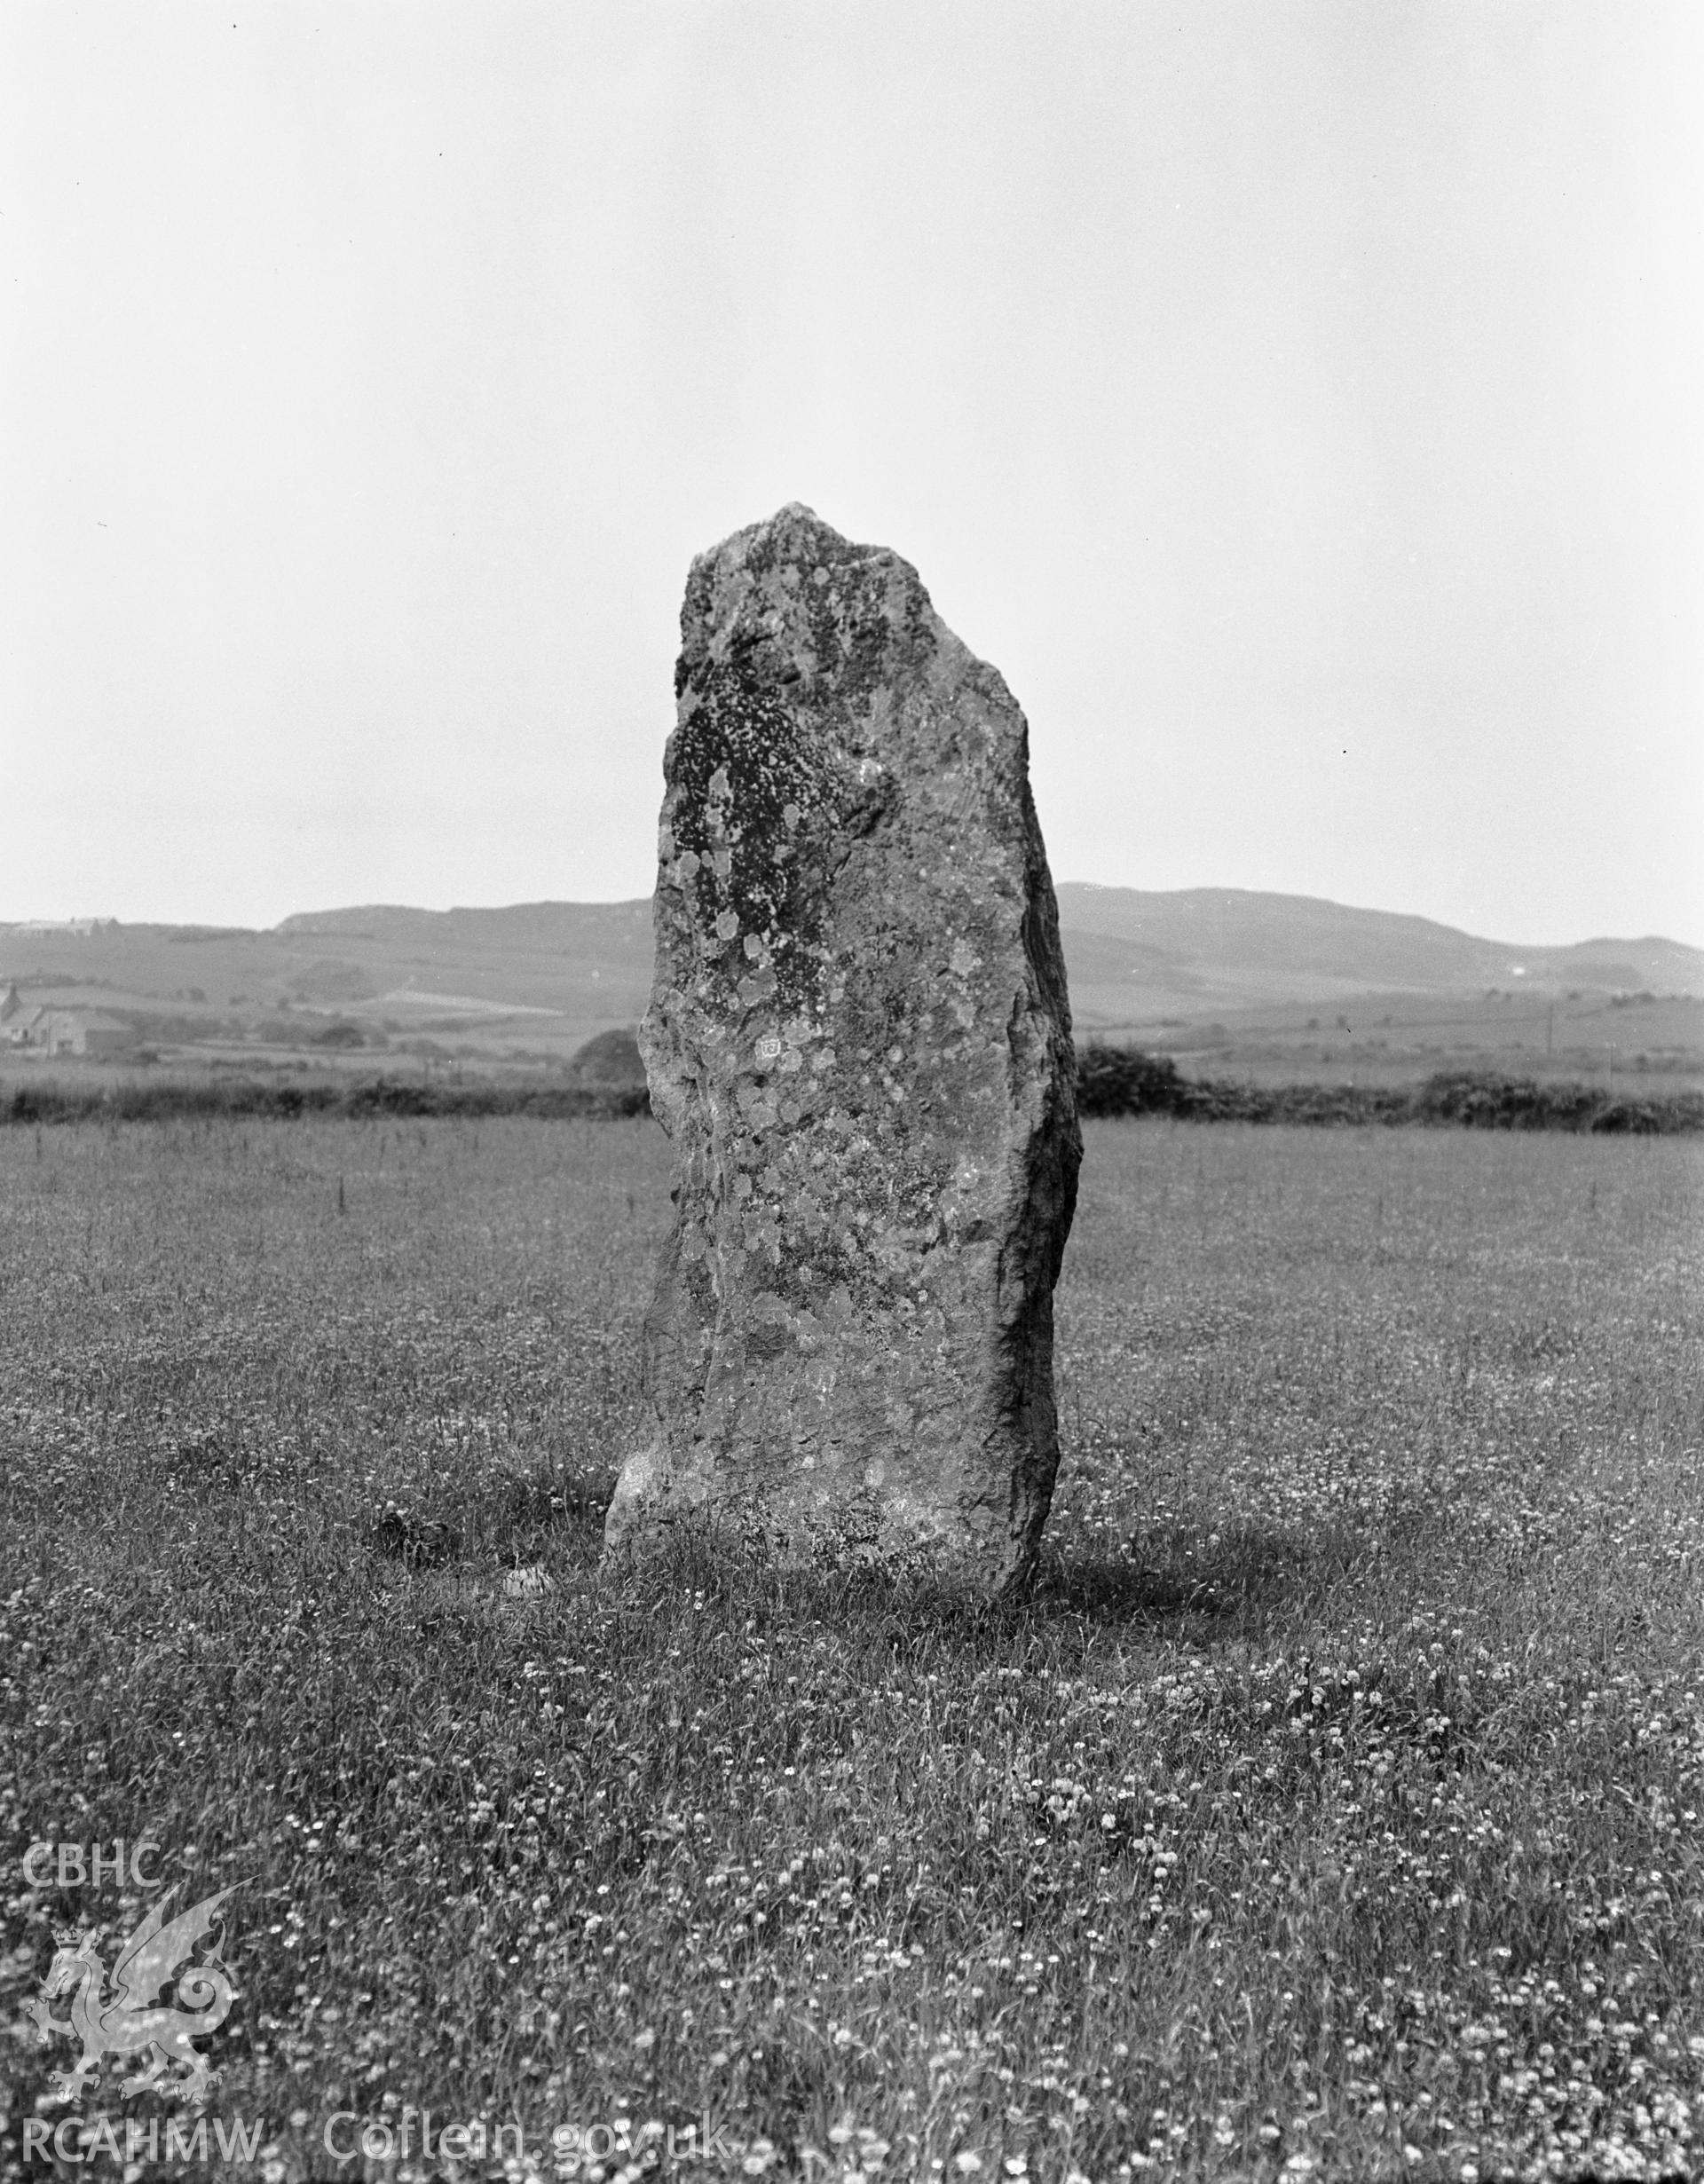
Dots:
pixel 1227 1585
pixel 522 1509
pixel 1175 1584
pixel 1196 1594
pixel 1113 1591
pixel 510 1516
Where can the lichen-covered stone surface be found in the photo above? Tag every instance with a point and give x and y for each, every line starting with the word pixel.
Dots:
pixel 859 1040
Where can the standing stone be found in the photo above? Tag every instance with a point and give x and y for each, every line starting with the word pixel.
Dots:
pixel 859 1039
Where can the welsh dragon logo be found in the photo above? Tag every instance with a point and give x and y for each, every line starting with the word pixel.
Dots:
pixel 129 2022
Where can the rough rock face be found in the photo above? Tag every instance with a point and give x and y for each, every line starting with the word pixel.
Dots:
pixel 859 1040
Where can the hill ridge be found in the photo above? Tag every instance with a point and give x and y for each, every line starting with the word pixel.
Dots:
pixel 1187 970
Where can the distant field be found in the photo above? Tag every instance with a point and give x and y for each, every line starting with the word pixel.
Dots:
pixel 1641 1044
pixel 1333 1808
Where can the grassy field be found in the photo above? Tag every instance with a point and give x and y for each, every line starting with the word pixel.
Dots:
pixel 1332 1809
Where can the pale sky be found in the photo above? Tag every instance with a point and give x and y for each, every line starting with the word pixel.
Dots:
pixel 1299 404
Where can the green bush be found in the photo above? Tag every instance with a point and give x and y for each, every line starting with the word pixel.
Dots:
pixel 1112 1080
pixel 250 1097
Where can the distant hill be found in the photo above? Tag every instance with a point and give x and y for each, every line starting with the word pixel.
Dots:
pixel 1202 948
pixel 1196 971
pixel 1201 951
pixel 572 928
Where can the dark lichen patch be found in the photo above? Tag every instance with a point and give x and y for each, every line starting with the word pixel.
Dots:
pixel 742 775
pixel 753 806
pixel 852 617
pixel 790 635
